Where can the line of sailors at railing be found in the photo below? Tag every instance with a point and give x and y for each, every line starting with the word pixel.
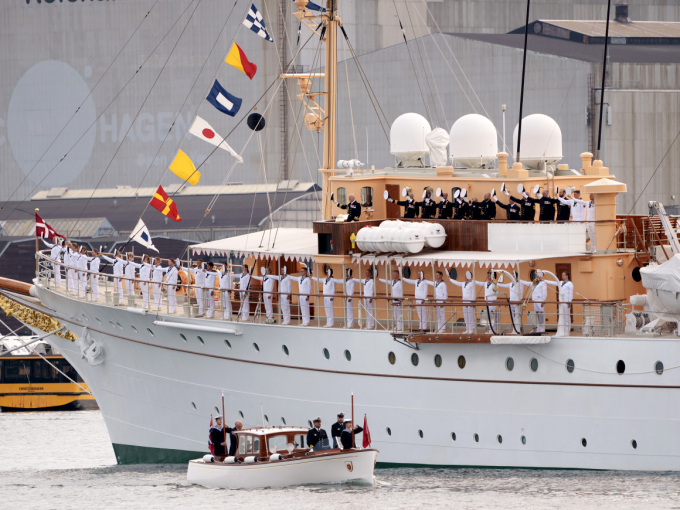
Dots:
pixel 207 279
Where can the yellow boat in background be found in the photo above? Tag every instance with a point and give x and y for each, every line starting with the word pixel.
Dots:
pixel 27 381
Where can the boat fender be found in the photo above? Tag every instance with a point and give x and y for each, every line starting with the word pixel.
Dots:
pixel 208 458
pixel 638 300
pixel 231 460
pixel 275 457
pixel 250 460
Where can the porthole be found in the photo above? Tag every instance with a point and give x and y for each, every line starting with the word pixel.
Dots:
pixel 499 438
pixel 97 319
pixel 392 358
pixel 285 350
pixel 217 411
pixel 570 365
pixel 283 420
pixel 633 443
pixel 476 438
pixel 414 359
pixel 193 405
pixel 309 422
pixel 437 361
pixel 453 436
pixel 509 364
pixel 326 354
pixel 200 340
pixel 584 443
pixel 227 343
pixel 112 324
pixel 348 355
pixel 389 431
pixel 420 433
pixel 150 332
pixel 533 364
pixel 461 361
pixel 118 324
pixel 134 329
pixel 256 347
pixel 658 368
pixel 240 413
pixel 84 316
pixel 524 439
pixel 620 367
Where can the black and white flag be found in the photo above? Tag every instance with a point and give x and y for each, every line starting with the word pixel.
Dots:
pixel 255 23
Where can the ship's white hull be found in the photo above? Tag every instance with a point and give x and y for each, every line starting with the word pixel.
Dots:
pixel 157 392
pixel 356 466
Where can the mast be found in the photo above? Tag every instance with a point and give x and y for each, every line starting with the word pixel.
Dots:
pixel 521 94
pixel 604 76
pixel 331 82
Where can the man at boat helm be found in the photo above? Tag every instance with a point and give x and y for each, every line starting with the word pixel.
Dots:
pixel 316 433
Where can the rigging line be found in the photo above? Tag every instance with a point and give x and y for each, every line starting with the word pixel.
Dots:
pixel 179 112
pixel 422 63
pixel 415 73
pixel 349 95
pixel 140 110
pixel 81 104
pixel 264 173
pixel 107 106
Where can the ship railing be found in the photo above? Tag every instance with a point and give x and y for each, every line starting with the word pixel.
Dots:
pixel 383 312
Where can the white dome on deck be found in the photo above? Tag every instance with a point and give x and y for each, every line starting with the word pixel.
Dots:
pixel 407 136
pixel 541 141
pixel 473 141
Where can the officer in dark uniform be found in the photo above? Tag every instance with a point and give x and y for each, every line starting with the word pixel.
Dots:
pixel 528 212
pixel 563 210
pixel 218 438
pixel 337 429
pixel 410 205
pixel 546 206
pixel 512 210
pixel 487 208
pixel 354 208
pixel 460 209
pixel 445 207
pixel 474 211
pixel 233 438
pixel 316 433
pixel 429 206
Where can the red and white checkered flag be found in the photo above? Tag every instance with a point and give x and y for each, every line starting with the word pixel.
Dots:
pixel 42 229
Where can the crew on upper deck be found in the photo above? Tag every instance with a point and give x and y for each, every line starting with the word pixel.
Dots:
pixel 487 208
pixel 512 209
pixel 353 208
pixel 410 205
pixel 445 207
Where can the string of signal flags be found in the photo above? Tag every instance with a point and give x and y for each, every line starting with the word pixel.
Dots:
pixel 223 101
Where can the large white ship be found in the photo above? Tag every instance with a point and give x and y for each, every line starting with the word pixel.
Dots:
pixel 601 396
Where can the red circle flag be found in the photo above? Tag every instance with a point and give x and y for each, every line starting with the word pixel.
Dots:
pixel 208 133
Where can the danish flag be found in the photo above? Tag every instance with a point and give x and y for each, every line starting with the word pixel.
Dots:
pixel 42 229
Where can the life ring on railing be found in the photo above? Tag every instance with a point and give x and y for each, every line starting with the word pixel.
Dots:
pixel 182 275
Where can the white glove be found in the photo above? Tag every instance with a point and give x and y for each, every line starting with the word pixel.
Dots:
pixel 507 193
pixel 494 198
pixel 524 194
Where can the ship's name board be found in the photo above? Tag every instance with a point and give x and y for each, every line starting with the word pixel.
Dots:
pixel 31 388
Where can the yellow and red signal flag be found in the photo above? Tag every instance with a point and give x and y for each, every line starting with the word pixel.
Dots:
pixel 165 204
pixel 237 58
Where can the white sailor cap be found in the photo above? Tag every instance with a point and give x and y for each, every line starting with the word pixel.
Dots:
pixel 468 274
pixel 539 273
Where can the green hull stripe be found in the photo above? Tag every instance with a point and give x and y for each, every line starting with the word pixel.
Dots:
pixel 127 454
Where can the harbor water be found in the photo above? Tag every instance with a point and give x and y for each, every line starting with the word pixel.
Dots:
pixel 63 460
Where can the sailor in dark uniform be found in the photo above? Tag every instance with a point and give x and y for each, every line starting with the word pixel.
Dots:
pixel 353 208
pixel 429 207
pixel 316 433
pixel 410 205
pixel 346 437
pixel 528 212
pixel 512 210
pixel 487 208
pixel 445 207
pixel 563 209
pixel 460 209
pixel 337 429
pixel 218 438
pixel 546 206
pixel 474 211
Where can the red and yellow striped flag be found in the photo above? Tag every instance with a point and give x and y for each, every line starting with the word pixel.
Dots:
pixel 165 204
pixel 238 59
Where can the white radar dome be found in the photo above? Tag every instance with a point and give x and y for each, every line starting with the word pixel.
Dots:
pixel 473 141
pixel 407 136
pixel 541 141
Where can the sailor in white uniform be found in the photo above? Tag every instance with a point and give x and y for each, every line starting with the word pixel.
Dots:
pixel 566 290
pixel 328 295
pixel 199 284
pixel 82 266
pixel 469 295
pixel 441 294
pixel 421 293
pixel 285 289
pixel 304 289
pixel 157 272
pixel 130 267
pixel 268 282
pixel 94 277
pixel 209 291
pixel 349 292
pixel 491 295
pixel 515 290
pixel 55 255
pixel 369 292
pixel 118 265
pixel 145 278
pixel 72 256
pixel 397 298
pixel 583 211
pixel 171 284
pixel 225 291
pixel 539 295
pixel 244 294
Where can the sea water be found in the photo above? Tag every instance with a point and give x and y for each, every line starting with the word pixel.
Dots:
pixel 64 460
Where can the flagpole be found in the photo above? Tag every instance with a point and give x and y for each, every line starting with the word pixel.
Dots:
pixel 352 419
pixel 224 426
pixel 37 248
